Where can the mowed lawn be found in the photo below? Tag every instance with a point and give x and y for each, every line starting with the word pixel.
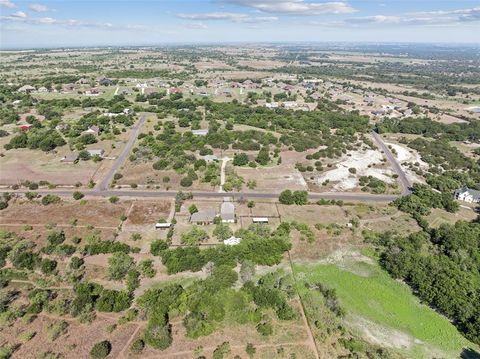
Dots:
pixel 375 296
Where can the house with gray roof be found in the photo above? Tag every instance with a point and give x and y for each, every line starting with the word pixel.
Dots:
pixel 70 157
pixel 26 89
pixel 227 212
pixel 205 216
pixel 467 195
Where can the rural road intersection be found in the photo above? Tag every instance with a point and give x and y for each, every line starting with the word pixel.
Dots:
pixel 102 188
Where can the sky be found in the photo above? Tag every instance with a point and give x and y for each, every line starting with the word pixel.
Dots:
pixel 64 23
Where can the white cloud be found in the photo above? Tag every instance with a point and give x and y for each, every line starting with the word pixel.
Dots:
pixel 38 7
pixel 7 3
pixel 46 20
pixel 226 16
pixel 21 17
pixel 434 18
pixel 197 25
pixel 233 16
pixel 19 14
pixel 377 19
pixel 296 7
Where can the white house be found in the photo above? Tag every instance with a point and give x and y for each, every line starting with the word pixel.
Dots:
pixel 210 158
pixel 467 195
pixel 96 152
pixel 271 105
pixel 289 104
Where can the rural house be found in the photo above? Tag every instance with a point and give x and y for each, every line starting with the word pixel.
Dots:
pixel 227 212
pixel 95 130
pixel 26 89
pixel 96 152
pixel 105 82
pixel 203 217
pixel 467 195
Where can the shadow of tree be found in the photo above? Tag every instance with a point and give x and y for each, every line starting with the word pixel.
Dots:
pixel 469 353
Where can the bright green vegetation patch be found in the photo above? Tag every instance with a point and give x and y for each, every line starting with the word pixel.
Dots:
pixel 376 297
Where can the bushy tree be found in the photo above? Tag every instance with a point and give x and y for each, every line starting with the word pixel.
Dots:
pixel 118 265
pixel 101 350
pixel 240 159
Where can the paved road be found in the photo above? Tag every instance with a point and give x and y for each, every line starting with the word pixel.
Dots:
pixel 105 183
pixel 236 195
pixel 393 161
pixel 102 189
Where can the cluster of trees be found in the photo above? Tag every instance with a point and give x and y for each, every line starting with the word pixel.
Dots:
pixel 372 184
pixel 89 296
pixel 8 115
pixel 4 199
pixel 98 246
pixel 442 155
pixel 423 199
pixel 42 138
pixel 206 303
pixel 296 197
pixel 450 168
pixel 441 75
pixel 148 74
pixel 442 266
pixel 434 129
pixel 263 249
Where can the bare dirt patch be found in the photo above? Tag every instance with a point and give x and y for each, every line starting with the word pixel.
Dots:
pixel 379 335
pixel 366 163
pixel 93 212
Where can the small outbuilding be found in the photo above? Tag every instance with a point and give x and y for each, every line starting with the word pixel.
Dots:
pixel 260 220
pixel 165 225
pixel 70 157
pixel 202 132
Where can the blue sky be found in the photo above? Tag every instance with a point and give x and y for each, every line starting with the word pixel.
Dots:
pixel 25 24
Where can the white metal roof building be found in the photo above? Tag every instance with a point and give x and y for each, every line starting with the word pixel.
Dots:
pixel 260 220
pixel 163 225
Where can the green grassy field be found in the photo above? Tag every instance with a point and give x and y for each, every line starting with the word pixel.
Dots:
pixel 388 307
